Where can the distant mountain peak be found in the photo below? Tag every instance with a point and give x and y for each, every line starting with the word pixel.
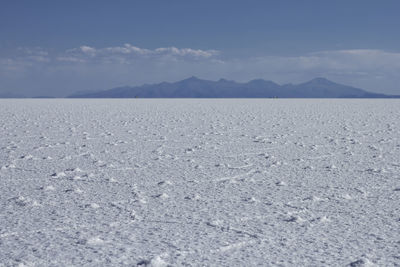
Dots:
pixel 321 80
pixel 192 78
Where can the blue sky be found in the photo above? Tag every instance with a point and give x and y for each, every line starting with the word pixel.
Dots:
pixel 59 47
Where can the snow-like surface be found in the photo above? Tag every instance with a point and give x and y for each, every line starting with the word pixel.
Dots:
pixel 200 182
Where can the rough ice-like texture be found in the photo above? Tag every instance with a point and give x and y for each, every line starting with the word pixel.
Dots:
pixel 200 182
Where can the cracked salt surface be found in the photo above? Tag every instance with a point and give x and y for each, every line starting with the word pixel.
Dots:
pixel 200 182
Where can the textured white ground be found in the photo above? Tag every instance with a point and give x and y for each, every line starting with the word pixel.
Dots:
pixel 200 182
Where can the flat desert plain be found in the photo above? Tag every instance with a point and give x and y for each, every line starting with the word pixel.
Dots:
pixel 200 182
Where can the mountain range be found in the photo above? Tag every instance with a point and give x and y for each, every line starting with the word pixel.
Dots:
pixel 198 88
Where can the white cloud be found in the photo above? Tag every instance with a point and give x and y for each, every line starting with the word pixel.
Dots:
pixel 130 52
pixel 32 51
pixel 87 50
pixel 35 54
pixel 134 49
pixel 186 52
pixel 70 59
pixel 361 58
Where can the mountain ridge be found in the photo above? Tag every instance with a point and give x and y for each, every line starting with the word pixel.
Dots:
pixel 194 87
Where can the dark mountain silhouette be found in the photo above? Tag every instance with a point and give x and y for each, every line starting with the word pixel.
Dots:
pixel 197 88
